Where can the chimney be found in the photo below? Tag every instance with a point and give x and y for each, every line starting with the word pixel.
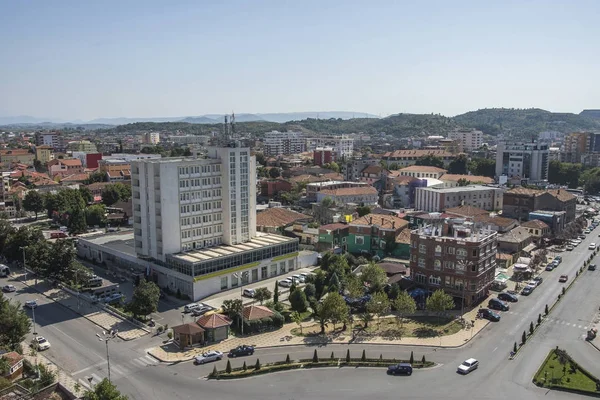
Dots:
pixel 382 221
pixel 393 224
pixel 370 220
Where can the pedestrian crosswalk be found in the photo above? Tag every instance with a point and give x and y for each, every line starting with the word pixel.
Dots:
pixel 90 377
pixel 557 321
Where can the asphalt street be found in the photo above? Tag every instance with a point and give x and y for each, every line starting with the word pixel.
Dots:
pixel 76 349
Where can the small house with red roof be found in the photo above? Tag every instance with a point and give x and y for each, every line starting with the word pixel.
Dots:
pixel 216 327
pixel 15 365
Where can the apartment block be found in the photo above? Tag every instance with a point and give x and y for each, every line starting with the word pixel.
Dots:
pixel 522 161
pixel 471 139
pixel 405 158
pixel 433 199
pixel 281 143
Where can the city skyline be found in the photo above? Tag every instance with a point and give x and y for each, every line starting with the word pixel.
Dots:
pixel 81 61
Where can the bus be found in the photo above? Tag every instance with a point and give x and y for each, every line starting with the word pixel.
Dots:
pixel 4 271
pixel 95 281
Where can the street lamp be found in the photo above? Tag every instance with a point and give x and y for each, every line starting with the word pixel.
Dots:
pixel 239 275
pixel 106 338
pixel 33 317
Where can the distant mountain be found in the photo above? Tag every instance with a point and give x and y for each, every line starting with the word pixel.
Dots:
pixel 595 114
pixel 123 121
pixel 199 120
pixel 298 116
pixel 24 119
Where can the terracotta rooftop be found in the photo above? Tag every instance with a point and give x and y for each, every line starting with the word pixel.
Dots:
pixel 417 153
pixel 71 162
pixel 404 179
pixel 12 357
pixel 351 191
pixel 403 237
pixel 308 178
pixel 466 211
pixel 422 168
pixel 560 194
pixel 14 152
pixel 383 221
pixel 254 312
pixel 516 235
pixel 279 216
pixel 372 169
pixel 535 223
pixel 75 178
pixel 188 329
pixel 332 227
pixel 495 220
pixel 504 256
pixel 214 321
pixel 470 178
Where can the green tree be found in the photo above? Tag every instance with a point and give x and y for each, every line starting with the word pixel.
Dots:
pixel 104 390
pixel 355 286
pixel 95 215
pixel 336 309
pixel 320 280
pixel 458 165
pixel 363 210
pixel 77 222
pixel 145 298
pixel 276 293
pixel 394 291
pixel 231 308
pixel 310 291
pixel 34 202
pixel 439 302
pixel 274 173
pixel 298 301
pixel 404 305
pixel 332 166
pixel 14 324
pixel 96 177
pixel 483 167
pixel 327 202
pixel 374 277
pixel 430 160
pixel 297 319
pixel 262 294
pixel 47 376
pixel 22 238
pixel 463 182
pixel 86 194
pixel 378 305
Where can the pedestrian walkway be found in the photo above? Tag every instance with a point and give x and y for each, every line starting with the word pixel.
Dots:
pixel 284 337
pixel 92 312
pixel 62 377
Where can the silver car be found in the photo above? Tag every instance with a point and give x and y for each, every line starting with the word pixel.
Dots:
pixel 212 355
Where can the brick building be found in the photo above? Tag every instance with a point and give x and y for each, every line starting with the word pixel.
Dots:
pixel 519 202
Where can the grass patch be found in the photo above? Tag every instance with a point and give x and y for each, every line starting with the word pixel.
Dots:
pixel 560 371
pixel 421 327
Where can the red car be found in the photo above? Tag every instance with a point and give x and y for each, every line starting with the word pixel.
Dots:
pixel 563 278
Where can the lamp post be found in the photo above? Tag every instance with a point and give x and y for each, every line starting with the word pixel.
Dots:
pixel 106 338
pixel 239 275
pixel 33 317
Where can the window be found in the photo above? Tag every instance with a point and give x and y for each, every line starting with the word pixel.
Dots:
pixel 474 252
pixel 437 265
pixel 234 281
pixel 435 280
pixel 422 248
pixel 282 267
pixel 273 271
pixel 422 262
pixel 474 267
pixel 460 266
pixel 438 250
pixel 360 240
pixel 461 252
pixel 450 250
pixel 224 283
pixel 420 278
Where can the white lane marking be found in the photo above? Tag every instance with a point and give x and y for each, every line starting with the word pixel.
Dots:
pixel 151 359
pixel 79 343
pixel 84 384
pixel 140 363
pixel 495 349
pixel 96 378
pixel 90 367
pixel 117 370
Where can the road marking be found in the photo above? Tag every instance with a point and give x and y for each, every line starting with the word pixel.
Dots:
pixel 151 359
pixel 84 384
pixel 118 370
pixel 90 367
pixel 495 349
pixel 79 343
pixel 139 362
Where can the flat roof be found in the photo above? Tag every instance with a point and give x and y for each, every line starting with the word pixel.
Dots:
pixel 470 188
pixel 122 242
pixel 210 253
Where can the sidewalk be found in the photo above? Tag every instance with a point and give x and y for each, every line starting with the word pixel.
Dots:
pixel 283 337
pixel 91 312
pixel 61 376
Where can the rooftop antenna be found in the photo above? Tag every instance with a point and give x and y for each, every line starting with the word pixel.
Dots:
pixel 233 133
pixel 225 137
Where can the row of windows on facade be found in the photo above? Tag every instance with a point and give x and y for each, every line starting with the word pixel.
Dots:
pixel 458 266
pixel 204 169
pixel 186 183
pixel 449 282
pixel 206 206
pixel 207 230
pixel 452 250
pixel 265 272
pixel 468 197
pixel 200 195
pixel 201 244
pixel 201 219
pixel 222 263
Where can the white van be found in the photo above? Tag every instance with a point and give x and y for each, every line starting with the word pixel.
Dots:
pixel 191 307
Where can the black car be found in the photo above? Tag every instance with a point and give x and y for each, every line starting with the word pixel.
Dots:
pixel 497 304
pixel 489 314
pixel 539 280
pixel 508 297
pixel 527 291
pixel 242 350
pixel 592 267
pixel 400 369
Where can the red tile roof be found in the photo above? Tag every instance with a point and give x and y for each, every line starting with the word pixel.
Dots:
pixel 535 223
pixel 72 162
pixel 351 191
pixel 279 216
pixel 188 329
pixel 383 221
pixel 466 211
pixel 12 357
pixel 470 178
pixel 253 312
pixel 417 153
pixel 372 169
pixel 422 168
pixel 213 321
pixel 75 178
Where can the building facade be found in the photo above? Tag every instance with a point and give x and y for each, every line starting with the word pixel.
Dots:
pixel 459 259
pixel 323 155
pixel 281 143
pixel 519 202
pixel 405 158
pixel 84 146
pixel 433 199
pixel 522 161
pixel 312 189
pixel 471 139
pixel 44 153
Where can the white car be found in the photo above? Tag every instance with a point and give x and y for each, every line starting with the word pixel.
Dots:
pixel 9 288
pixel 305 276
pixel 296 278
pixel 41 343
pixel 532 284
pixel 592 246
pixel 285 283
pixel 209 356
pixel 190 307
pixel 467 366
pixel 31 304
pixel 249 292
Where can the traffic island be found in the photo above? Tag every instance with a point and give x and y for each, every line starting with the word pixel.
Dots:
pixel 288 365
pixel 560 372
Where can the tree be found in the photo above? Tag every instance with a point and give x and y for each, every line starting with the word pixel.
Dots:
pixel 363 210
pixel 104 390
pixel 47 376
pixel 335 308
pixel 95 215
pixel 404 305
pixel 86 194
pixel 77 222
pixel 378 305
pixel 297 319
pixel 115 192
pixel 334 283
pixel 310 291
pixel 332 166
pixel 365 318
pixel 23 237
pixel 374 277
pixel 327 202
pixel 355 286
pixel 412 358
pixel 14 324
pixel 262 294
pixel 430 160
pixel 274 173
pixel 439 302
pixel 231 308
pixel 394 291
pixel 531 328
pixel 298 301
pixel 276 293
pixel 483 167
pixel 463 182
pixel 34 202
pixel 96 177
pixel 315 357
pixel 228 367
pixel 458 165
pixel 320 284
pixel 524 337
pixel 145 298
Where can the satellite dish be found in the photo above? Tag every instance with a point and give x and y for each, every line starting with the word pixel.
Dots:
pixel 500 212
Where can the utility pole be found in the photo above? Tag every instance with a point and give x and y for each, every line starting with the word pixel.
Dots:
pixel 106 338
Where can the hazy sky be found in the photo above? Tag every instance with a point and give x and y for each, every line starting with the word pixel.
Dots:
pixel 87 59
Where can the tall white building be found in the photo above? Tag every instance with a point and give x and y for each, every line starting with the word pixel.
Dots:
pixel 343 146
pixel 521 161
pixel 280 143
pixel 471 139
pixel 152 138
pixel 182 204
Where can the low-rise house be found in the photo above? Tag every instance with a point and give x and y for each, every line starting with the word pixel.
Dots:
pixel 496 222
pixel 422 171
pixel 372 173
pixel 306 236
pixel 515 241
pixel 466 211
pixel 11 157
pixel 216 327
pixel 519 202
pixel 375 234
pixel 395 271
pixel 556 220
pixel 15 365
pixel 64 167
pixel 332 236
pixel 188 335
pixel 276 219
pixel 75 178
pixel 271 188
pixel 537 228
pixel 313 189
pixel 504 260
pixel 404 158
pixel 367 195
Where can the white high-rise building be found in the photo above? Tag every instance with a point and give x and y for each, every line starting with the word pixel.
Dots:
pixel 471 139
pixel 280 143
pixel 182 204
pixel 343 146
pixel 522 161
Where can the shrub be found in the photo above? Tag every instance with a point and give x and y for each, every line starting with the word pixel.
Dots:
pixel 515 347
pixel 287 359
pixel 257 365
pixel 228 367
pixel 423 361
pixel 564 290
pixel 531 328
pixel 364 356
pixel 215 372
pixel 245 368
pixel 348 356
pixel 546 310
pixel 160 329
pixel 332 356
pixel 412 358
pixel 524 337
pixel 315 357
pixel 539 321
pixel 170 334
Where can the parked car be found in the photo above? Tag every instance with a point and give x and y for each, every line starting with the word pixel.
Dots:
pixel 190 307
pixel 497 304
pixel 209 356
pixel 400 369
pixel 508 297
pixel 563 278
pixel 550 267
pixel 30 304
pixel 558 258
pixel 296 279
pixel 301 278
pixel 201 310
pixel 570 248
pixel 9 288
pixel 467 366
pixel 305 275
pixel 592 246
pixel 538 280
pixel 587 231
pixel 488 314
pixel 242 350
pixel 41 343
pixel 285 283
pixel 249 292
pixel 527 290
pixel 592 267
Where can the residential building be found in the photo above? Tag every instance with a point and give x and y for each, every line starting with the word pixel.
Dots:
pixel 405 158
pixel 201 140
pixel 453 180
pixel 152 138
pixel 10 157
pixel 115 170
pixel 374 234
pixel 522 161
pixel 466 211
pixel 84 146
pixel 270 188
pixel 372 173
pixel 51 139
pixel 457 258
pixel 537 228
pixel 403 192
pixel 496 222
pixel 471 139
pixel 366 195
pixel 313 189
pixel 433 199
pixel 14 364
pixel 574 146
pixel 332 236
pixel 276 219
pixel 422 171
pixel 88 160
pixel 352 169
pixel 515 241
pixel 44 153
pixel 519 202
pixel 556 220
pixel 279 143
pixel 323 155
pixel 554 154
pixel 64 167
pixel 343 146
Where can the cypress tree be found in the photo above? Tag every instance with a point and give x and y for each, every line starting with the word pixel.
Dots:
pixel 287 359
pixel 228 367
pixel 257 365
pixel 423 361
pixel 348 356
pixel 364 356
pixel 412 358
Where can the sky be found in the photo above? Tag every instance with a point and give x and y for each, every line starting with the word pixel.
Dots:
pixel 80 60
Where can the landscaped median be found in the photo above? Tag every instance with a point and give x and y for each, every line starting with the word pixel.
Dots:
pixel 559 371
pixel 287 365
